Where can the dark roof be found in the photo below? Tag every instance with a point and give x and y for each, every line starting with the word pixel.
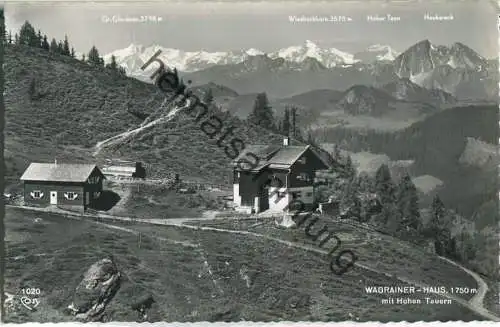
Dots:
pixel 287 155
pixel 58 172
pixel 279 157
pixel 263 152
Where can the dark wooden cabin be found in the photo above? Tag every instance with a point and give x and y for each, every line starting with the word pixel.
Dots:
pixel 71 186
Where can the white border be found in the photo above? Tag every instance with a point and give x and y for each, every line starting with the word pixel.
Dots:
pixel 496 4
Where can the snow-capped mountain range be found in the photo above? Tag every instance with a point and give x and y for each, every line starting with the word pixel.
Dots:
pixel 455 69
pixel 134 56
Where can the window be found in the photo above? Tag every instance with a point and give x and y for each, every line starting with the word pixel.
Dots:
pixel 70 196
pixel 94 180
pixel 302 160
pixel 97 195
pixel 296 195
pixel 309 194
pixel 303 177
pixel 36 195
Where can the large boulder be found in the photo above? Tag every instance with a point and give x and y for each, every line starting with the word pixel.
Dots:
pixel 97 288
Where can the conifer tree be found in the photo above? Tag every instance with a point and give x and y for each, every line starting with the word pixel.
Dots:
pixel 113 65
pixel 45 43
pixel 310 138
pixel 53 46
pixel 466 246
pixel 262 114
pixel 439 228
pixel 293 113
pixel 73 52
pixel 39 39
pixel 60 47
pixel 93 56
pixel 438 213
pixel 2 29
pixel 386 193
pixel 365 183
pixel 27 35
pixel 66 50
pixel 407 199
pixel 366 189
pixel 350 203
pixel 336 153
pixel 349 169
pixel 384 184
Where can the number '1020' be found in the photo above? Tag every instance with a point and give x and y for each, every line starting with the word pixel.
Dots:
pixel 31 291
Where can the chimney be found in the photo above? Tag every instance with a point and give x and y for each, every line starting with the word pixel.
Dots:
pixel 286 141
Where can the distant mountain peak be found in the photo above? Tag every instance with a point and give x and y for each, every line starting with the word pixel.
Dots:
pixel 328 57
pixel 310 44
pixel 365 100
pixel 377 52
pixel 254 52
pixel 423 57
pixel 425 43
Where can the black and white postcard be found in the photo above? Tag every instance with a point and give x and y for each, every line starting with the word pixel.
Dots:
pixel 250 161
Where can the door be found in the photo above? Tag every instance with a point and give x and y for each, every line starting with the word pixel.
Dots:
pixel 264 198
pixel 53 197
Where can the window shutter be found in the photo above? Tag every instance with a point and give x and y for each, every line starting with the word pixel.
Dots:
pixel 34 195
pixel 70 196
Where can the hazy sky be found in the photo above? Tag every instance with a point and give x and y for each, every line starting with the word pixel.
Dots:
pixel 222 26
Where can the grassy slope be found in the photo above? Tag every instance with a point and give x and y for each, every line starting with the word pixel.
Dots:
pixel 76 106
pixel 156 201
pixel 181 146
pixel 285 283
pixel 373 249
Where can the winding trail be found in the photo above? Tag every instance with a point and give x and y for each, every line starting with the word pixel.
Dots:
pixel 125 135
pixel 478 298
pixel 475 304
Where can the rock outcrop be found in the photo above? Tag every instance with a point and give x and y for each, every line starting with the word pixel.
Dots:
pixel 98 287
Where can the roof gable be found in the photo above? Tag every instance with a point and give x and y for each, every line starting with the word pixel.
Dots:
pixel 279 157
pixel 263 152
pixel 50 172
pixel 287 155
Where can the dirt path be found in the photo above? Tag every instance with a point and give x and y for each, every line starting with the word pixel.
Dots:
pixel 125 135
pixel 478 299
pixel 475 304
